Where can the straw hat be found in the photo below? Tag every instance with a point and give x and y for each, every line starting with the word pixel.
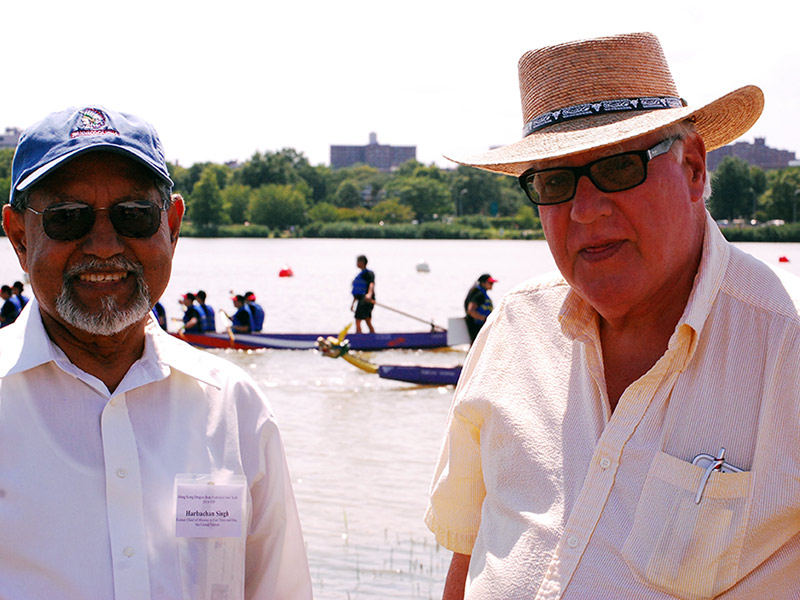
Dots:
pixel 593 93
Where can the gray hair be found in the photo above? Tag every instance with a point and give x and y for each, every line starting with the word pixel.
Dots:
pixel 682 130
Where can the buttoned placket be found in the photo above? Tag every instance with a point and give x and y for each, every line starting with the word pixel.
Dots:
pixel 591 501
pixel 124 504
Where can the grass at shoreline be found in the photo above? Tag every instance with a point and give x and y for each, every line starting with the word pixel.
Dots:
pixel 343 230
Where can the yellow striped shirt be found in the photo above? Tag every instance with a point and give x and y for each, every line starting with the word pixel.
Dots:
pixel 556 497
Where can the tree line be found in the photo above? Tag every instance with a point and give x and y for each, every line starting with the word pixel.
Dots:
pixel 275 192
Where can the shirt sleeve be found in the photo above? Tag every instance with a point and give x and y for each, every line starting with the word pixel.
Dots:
pixel 457 490
pixel 276 567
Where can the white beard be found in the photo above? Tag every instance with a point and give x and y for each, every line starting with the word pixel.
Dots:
pixel 107 319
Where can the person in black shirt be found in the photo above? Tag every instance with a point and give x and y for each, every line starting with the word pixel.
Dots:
pixel 192 319
pixel 363 295
pixel 478 305
pixel 10 309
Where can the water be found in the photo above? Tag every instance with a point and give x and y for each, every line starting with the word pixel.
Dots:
pixel 361 449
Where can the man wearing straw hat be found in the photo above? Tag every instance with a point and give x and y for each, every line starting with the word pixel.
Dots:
pixel 132 466
pixel 629 427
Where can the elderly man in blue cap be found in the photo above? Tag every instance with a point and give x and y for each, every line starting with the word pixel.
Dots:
pixel 111 431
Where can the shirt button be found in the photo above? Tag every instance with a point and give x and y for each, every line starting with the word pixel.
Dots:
pixel 113 402
pixel 572 541
pixel 128 551
pixel 605 462
pixel 122 473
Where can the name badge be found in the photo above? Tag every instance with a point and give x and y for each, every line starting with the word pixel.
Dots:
pixel 209 507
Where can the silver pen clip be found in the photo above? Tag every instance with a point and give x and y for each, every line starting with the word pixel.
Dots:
pixel 714 466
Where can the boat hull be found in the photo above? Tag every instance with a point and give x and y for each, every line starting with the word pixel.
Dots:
pixel 420 375
pixel 308 341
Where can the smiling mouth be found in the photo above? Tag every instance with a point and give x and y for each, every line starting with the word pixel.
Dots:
pixel 102 277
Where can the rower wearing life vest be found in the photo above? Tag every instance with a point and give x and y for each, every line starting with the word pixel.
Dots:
pixel 363 295
pixel 478 305
pixel 207 310
pixel 255 310
pixel 193 319
pixel 242 320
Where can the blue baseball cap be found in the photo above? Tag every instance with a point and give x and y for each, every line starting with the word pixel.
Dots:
pixel 61 136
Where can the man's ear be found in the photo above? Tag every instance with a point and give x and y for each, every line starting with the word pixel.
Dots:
pixel 694 162
pixel 175 218
pixel 14 226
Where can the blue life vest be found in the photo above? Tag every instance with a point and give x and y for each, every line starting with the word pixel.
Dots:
pixel 201 316
pixel 485 306
pixel 16 302
pixel 257 314
pixel 360 284
pixel 158 311
pixel 211 323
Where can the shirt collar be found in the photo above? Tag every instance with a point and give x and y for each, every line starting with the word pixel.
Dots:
pixel 578 319
pixel 25 345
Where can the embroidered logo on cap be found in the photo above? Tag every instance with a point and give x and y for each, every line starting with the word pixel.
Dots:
pixel 92 121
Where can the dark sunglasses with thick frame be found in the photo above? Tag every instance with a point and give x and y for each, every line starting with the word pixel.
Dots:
pixel 69 221
pixel 615 173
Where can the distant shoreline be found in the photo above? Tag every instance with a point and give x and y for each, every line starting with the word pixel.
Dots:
pixel 346 230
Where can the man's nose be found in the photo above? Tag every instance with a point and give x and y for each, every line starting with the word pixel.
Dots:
pixel 589 203
pixel 103 240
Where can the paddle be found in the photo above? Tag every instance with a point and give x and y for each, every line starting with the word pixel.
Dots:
pixel 405 314
pixel 228 324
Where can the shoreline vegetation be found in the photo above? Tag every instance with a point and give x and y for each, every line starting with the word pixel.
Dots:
pixel 494 229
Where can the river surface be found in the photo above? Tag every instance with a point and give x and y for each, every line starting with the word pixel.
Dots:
pixel 361 449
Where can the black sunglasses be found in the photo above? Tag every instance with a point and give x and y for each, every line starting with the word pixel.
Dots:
pixel 69 221
pixel 609 174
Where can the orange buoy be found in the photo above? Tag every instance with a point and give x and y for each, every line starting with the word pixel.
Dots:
pixel 783 259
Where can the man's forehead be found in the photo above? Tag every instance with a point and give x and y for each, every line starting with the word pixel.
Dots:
pixel 581 158
pixel 97 169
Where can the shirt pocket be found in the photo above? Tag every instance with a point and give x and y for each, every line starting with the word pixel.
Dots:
pixel 686 549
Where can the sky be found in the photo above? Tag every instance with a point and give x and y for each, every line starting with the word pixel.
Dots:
pixel 222 80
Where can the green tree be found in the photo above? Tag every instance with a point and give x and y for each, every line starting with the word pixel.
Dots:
pixel 426 196
pixel 526 218
pixel 348 194
pixel 6 158
pixel 278 206
pixel 181 178
pixel 323 212
pixel 391 211
pixel 735 189
pixel 204 206
pixel 236 201
pixel 782 197
pixel 474 190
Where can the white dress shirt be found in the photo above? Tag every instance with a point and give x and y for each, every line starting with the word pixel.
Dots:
pixel 87 477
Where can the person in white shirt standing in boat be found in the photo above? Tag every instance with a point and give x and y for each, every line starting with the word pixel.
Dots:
pixel 628 427
pixel 111 430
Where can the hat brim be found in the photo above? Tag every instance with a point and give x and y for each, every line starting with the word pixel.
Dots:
pixel 719 123
pixel 34 176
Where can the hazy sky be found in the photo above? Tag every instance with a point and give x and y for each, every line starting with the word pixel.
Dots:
pixel 221 80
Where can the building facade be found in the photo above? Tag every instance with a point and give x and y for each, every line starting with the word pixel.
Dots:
pixel 10 138
pixel 757 154
pixel 382 157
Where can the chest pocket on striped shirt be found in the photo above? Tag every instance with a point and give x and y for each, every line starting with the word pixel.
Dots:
pixel 690 550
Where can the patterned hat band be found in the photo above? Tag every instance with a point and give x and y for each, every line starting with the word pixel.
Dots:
pixel 601 107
